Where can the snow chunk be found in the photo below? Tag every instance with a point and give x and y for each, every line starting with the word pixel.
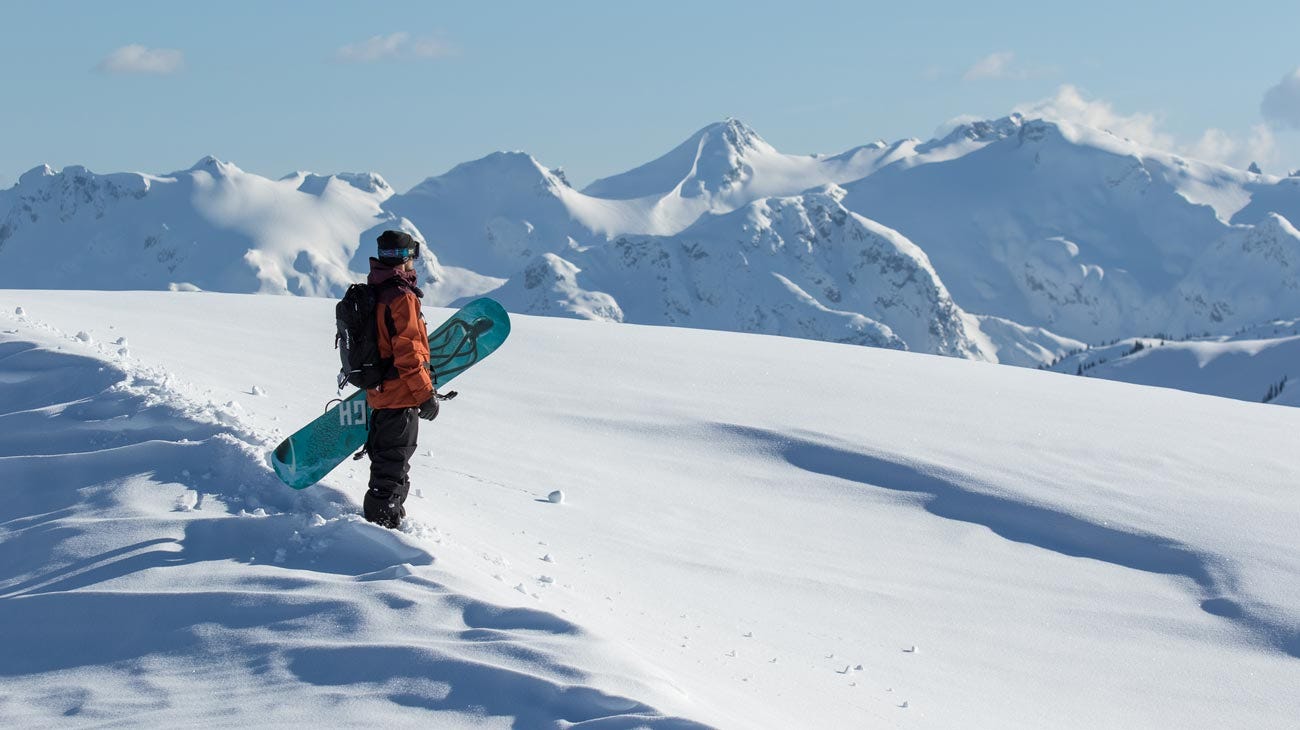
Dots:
pixel 20 312
pixel 556 497
pixel 84 337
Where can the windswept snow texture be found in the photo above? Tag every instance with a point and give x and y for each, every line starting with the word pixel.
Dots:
pixel 754 532
pixel 155 572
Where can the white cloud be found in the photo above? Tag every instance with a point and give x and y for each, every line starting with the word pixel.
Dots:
pixel 137 59
pixel 1214 145
pixel 398 45
pixel 992 66
pixel 1070 105
pixel 1281 105
pixel 1003 65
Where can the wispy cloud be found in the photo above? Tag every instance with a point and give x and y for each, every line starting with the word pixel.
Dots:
pixel 1214 145
pixel 395 46
pixel 1004 65
pixel 993 66
pixel 1071 105
pixel 138 59
pixel 1281 104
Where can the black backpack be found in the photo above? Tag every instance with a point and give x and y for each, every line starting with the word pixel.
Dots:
pixel 357 339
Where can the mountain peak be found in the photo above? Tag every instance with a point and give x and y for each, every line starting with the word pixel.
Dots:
pixel 735 134
pixel 213 166
pixel 311 183
pixel 513 168
pixel 36 174
pixel 979 131
pixel 730 138
pixel 713 160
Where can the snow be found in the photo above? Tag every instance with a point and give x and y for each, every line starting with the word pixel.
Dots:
pixel 1024 235
pixel 1243 366
pixel 801 266
pixel 749 519
pixel 211 227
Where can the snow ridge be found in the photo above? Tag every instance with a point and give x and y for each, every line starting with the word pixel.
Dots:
pixel 157 515
pixel 946 495
pixel 801 266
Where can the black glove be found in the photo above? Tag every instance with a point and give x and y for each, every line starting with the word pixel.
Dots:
pixel 429 408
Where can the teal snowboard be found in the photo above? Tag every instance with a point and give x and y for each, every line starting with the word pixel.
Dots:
pixel 470 335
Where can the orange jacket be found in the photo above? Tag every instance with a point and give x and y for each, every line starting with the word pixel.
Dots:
pixel 403 337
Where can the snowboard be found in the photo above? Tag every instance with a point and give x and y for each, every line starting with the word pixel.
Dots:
pixel 313 451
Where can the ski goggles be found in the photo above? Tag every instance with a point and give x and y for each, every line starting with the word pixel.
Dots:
pixel 400 253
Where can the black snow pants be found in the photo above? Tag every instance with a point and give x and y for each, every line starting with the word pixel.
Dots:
pixel 391 444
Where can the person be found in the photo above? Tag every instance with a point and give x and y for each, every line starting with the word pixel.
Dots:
pixel 408 393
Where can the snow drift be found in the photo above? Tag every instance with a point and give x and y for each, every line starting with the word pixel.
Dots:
pixel 754 532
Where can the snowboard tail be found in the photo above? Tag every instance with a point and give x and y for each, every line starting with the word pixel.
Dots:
pixel 314 450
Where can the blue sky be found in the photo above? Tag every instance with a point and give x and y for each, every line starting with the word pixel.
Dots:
pixel 409 89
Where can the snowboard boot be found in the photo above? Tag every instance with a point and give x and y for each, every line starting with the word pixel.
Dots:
pixel 383 511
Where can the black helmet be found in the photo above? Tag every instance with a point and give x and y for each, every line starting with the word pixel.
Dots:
pixel 397 247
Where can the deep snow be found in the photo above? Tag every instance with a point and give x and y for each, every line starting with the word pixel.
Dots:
pixel 755 532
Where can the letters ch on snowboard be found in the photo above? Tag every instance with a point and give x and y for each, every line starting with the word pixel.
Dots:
pixel 353 413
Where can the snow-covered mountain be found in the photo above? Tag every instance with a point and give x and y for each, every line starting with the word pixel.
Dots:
pixel 756 533
pixel 213 226
pixel 727 165
pixel 1248 275
pixel 496 213
pixel 802 266
pixel 1033 235
pixel 1259 363
pixel 1055 225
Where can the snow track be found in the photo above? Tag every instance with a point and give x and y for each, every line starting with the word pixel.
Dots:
pixel 754 532
pixel 154 571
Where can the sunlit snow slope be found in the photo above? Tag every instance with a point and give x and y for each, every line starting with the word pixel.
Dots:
pixel 757 532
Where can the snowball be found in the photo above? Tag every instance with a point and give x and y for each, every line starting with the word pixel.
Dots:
pixel 84 337
pixel 121 342
pixel 547 558
pixel 20 312
pixel 556 497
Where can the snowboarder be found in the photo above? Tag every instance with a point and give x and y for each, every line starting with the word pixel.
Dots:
pixel 408 392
